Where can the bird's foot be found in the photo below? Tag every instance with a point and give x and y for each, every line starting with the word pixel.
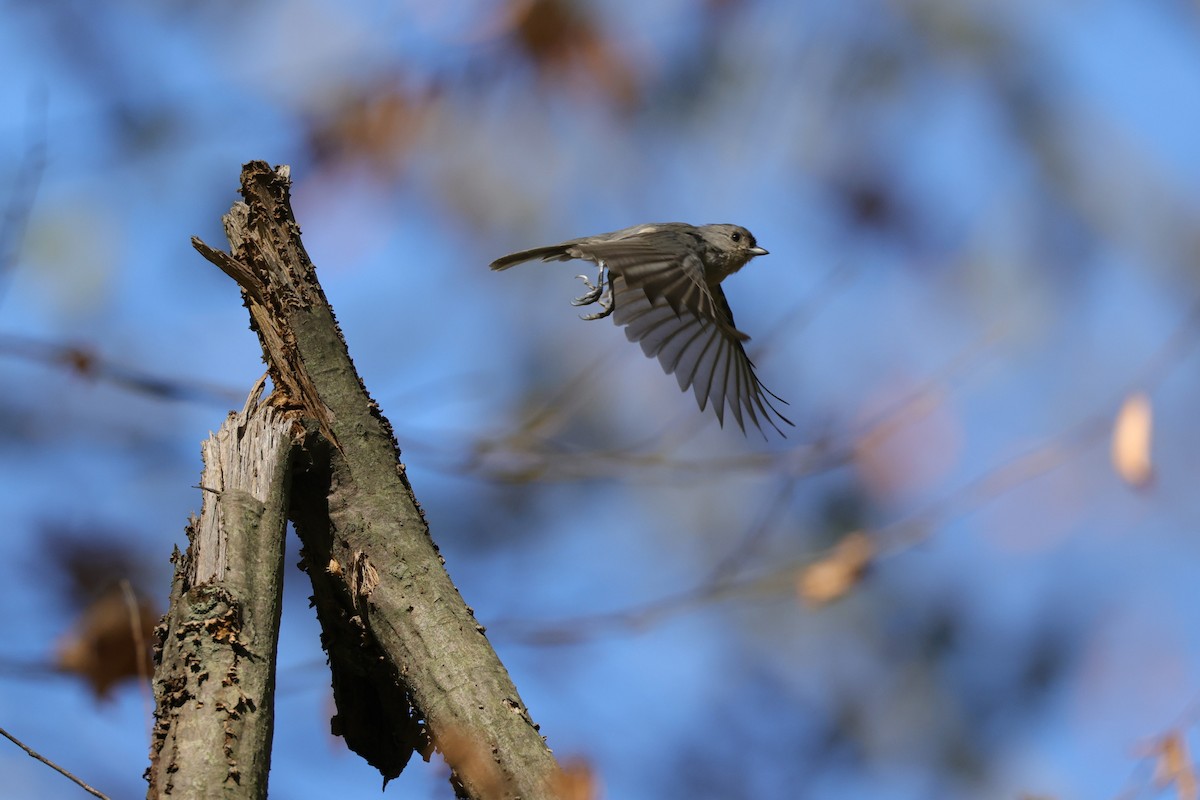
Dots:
pixel 595 290
pixel 599 292
pixel 606 304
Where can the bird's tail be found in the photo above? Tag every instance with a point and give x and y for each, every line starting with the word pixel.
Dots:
pixel 555 252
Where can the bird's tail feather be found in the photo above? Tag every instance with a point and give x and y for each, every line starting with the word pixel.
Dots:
pixel 553 252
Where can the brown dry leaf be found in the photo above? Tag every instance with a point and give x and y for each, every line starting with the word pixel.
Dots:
pixel 379 124
pixel 575 781
pixel 563 42
pixel 110 642
pixel 1132 437
pixel 471 760
pixel 89 560
pixel 1175 766
pixel 828 579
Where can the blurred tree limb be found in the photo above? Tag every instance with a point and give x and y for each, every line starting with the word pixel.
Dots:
pixel 411 667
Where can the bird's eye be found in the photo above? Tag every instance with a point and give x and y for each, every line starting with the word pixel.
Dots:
pixel 737 237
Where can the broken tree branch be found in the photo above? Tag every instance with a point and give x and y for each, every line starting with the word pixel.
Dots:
pixel 412 669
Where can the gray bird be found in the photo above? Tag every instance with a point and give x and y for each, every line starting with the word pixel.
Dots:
pixel 662 282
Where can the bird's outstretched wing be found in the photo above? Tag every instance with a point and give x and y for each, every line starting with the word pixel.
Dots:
pixel 703 352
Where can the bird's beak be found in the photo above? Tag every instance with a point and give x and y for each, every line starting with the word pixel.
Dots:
pixel 758 251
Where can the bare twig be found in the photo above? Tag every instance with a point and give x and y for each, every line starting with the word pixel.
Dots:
pixel 893 538
pixel 24 189
pixel 84 361
pixel 34 754
pixel 133 606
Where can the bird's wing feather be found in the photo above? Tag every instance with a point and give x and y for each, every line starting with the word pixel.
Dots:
pixel 703 353
pixel 663 264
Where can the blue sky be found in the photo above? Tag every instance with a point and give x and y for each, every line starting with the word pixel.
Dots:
pixel 981 222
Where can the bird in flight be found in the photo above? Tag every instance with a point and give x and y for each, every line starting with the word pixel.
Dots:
pixel 662 283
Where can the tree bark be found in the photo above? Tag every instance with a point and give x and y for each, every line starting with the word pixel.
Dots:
pixel 214 685
pixel 411 667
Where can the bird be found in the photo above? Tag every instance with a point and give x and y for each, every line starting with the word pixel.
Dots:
pixel 661 282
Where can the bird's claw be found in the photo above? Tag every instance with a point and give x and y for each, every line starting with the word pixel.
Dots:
pixel 593 293
pixel 598 292
pixel 594 289
pixel 606 307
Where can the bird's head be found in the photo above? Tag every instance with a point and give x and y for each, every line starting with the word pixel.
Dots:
pixel 730 247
